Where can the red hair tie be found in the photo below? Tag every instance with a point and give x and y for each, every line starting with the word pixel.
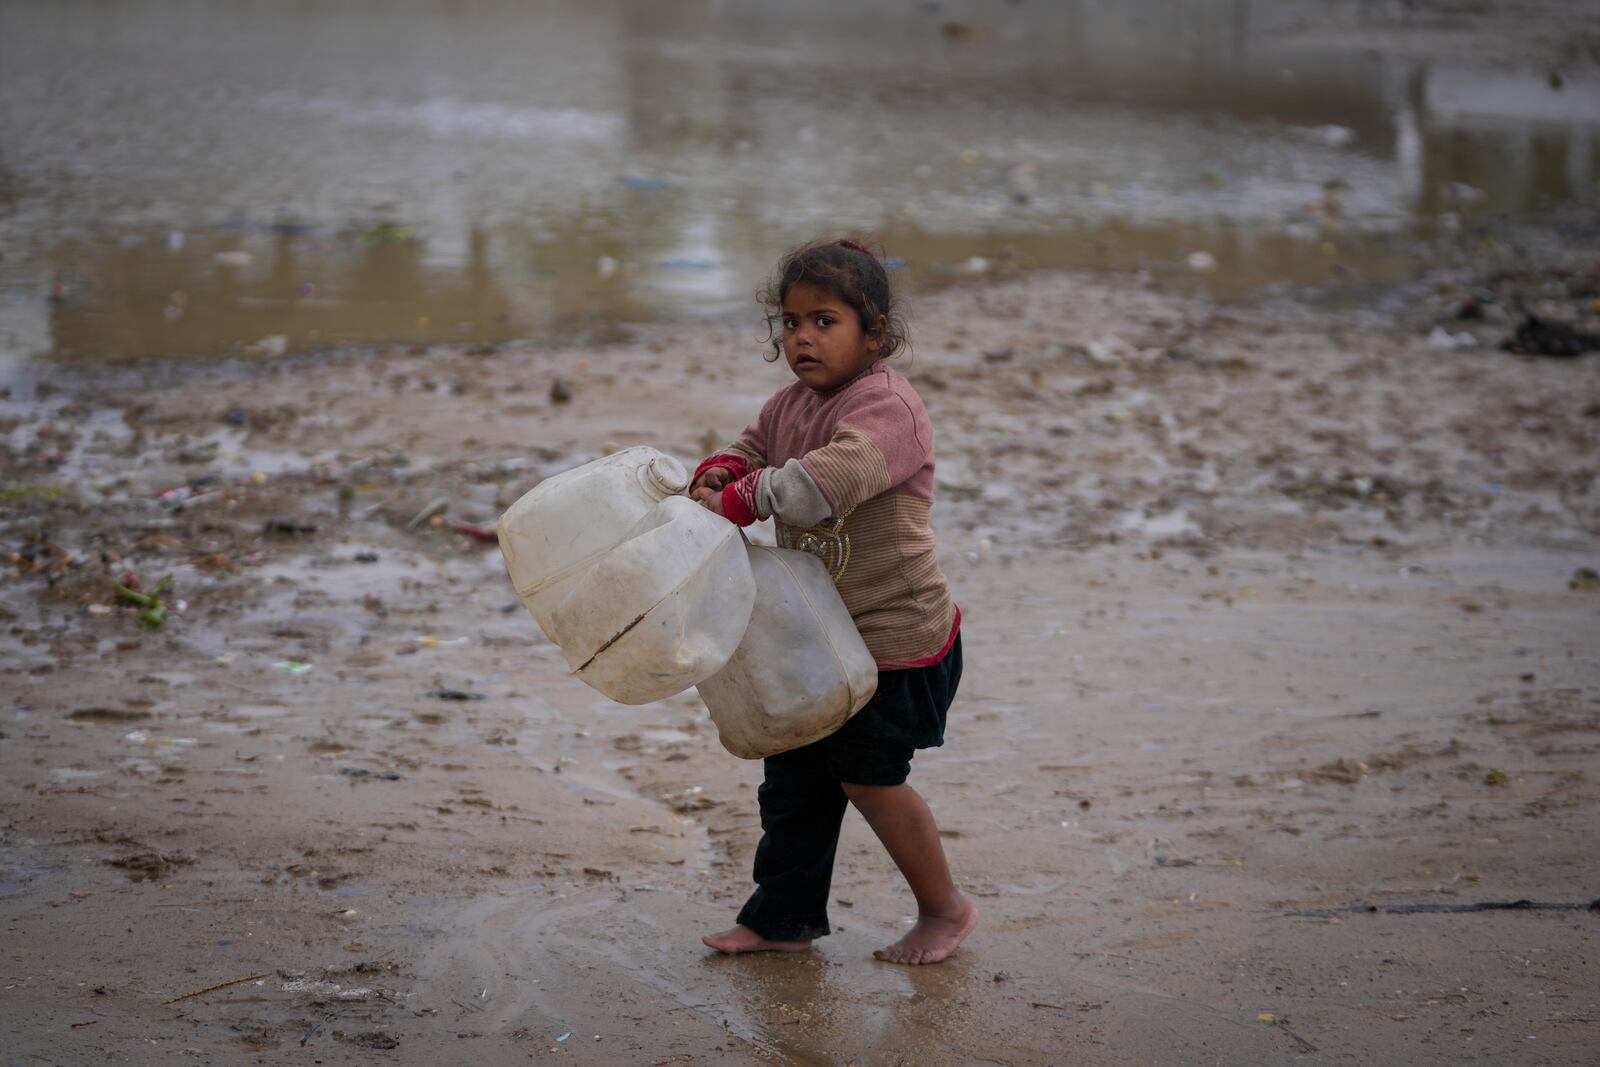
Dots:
pixel 857 246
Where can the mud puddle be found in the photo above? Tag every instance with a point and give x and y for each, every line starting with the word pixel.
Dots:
pixel 563 173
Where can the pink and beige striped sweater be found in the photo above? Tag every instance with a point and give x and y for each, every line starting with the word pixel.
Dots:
pixel 848 475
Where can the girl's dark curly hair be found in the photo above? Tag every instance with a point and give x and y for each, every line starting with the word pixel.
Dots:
pixel 848 270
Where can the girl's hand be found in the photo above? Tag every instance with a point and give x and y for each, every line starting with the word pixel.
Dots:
pixel 713 502
pixel 710 484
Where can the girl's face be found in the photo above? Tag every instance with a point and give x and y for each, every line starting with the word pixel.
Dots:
pixel 823 341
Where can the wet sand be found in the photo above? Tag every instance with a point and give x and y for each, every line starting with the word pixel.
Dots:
pixel 1268 621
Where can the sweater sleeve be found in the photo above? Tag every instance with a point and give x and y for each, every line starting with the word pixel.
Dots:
pixel 879 443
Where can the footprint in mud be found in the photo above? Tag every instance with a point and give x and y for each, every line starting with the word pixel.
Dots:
pixel 149 865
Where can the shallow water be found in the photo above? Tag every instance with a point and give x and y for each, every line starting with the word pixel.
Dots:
pixel 245 178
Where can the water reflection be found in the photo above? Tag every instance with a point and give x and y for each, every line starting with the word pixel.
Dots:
pixel 794 1007
pixel 565 170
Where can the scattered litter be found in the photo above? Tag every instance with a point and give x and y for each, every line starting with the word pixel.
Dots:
pixel 327 989
pixel 385 233
pixel 1444 909
pixel 1495 777
pixel 564 1036
pixel 606 267
pixel 362 772
pixel 1461 193
pixel 481 533
pixel 1333 135
pixel 455 694
pixel 219 985
pixel 154 612
pixel 688 263
pixel 1266 1017
pixel 1110 350
pixel 139 737
pixel 434 507
pixel 287 528
pixel 366 557
pixel 1201 262
pixel 1584 580
pixel 1024 180
pixel 1446 341
pixel 275 344
pixel 16 492
pixel 233 258
pixel 643 185
pixel 560 392
pixel 434 642
pixel 1547 337
pixel 291 666
pixel 976 265
pixel 180 493
pixel 40 556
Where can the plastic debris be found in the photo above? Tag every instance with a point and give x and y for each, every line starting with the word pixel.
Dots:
pixel 607 267
pixel 127 591
pixel 1545 337
pixel 233 259
pixel 286 527
pixel 291 666
pixel 1495 777
pixel 362 772
pixel 481 533
pixel 437 506
pixel 434 642
pixel 564 1036
pixel 1584 580
pixel 275 344
pixel 455 694
pixel 1201 262
pixel 1446 341
pixel 17 492
pixel 386 233
pixel 139 737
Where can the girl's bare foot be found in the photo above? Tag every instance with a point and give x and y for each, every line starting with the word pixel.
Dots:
pixel 934 936
pixel 744 939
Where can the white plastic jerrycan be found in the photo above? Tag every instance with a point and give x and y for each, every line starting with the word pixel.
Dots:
pixel 802 669
pixel 562 525
pixel 660 610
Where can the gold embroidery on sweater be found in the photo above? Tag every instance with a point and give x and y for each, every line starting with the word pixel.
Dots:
pixel 826 540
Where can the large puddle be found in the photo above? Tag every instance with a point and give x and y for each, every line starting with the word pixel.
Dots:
pixel 244 178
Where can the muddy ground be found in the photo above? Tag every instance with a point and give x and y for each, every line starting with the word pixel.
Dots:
pixel 1277 628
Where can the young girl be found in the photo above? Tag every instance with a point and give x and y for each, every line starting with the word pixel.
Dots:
pixel 843 459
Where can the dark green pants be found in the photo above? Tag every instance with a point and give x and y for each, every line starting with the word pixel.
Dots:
pixel 803 803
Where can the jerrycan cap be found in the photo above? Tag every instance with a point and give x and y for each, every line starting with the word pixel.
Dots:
pixel 665 476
